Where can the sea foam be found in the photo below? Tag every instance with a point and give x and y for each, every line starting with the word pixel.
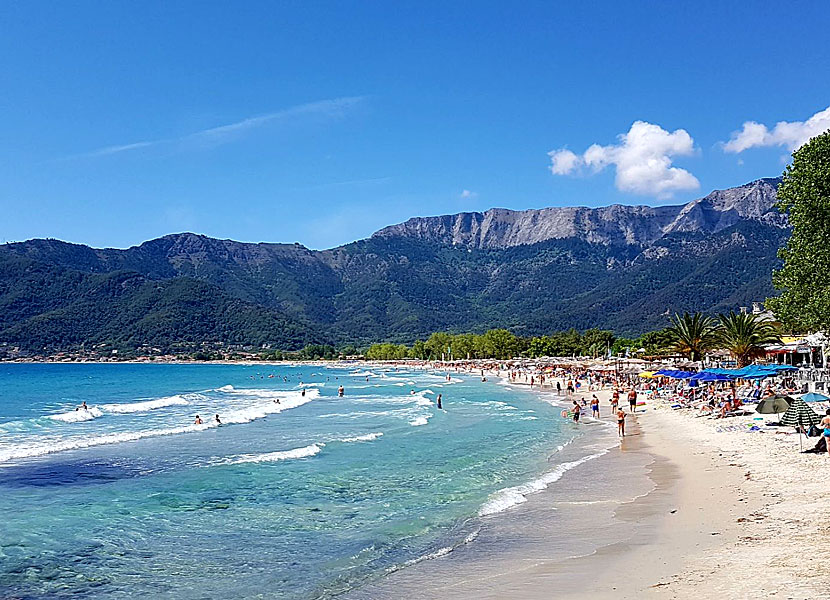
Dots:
pixel 369 437
pixel 288 400
pixel 145 406
pixel 513 496
pixel 77 416
pixel 304 452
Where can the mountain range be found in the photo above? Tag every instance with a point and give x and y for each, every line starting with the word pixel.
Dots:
pixel 533 271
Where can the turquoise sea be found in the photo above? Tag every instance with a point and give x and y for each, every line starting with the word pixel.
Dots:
pixel 293 496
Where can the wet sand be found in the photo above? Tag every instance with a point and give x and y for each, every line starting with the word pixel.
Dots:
pixel 660 504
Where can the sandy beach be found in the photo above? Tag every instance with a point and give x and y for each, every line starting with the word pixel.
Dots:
pixel 727 514
pixel 733 515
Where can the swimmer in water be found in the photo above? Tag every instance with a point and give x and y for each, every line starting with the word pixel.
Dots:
pixel 340 391
pixel 217 420
pixel 439 402
pixel 303 393
pixel 198 420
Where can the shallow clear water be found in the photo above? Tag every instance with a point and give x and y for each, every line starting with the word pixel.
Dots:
pixel 301 498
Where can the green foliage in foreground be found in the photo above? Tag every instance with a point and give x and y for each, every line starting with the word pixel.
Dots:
pixel 804 280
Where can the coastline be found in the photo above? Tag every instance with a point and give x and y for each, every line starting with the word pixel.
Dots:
pixel 718 503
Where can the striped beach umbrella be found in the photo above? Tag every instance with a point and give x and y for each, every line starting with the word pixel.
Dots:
pixel 800 415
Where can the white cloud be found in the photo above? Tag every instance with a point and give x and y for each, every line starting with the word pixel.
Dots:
pixel 467 194
pixel 563 162
pixel 213 136
pixel 790 134
pixel 642 158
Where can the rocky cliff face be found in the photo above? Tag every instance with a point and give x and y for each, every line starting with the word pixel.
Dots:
pixel 610 225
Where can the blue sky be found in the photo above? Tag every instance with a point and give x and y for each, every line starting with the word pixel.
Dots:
pixel 322 122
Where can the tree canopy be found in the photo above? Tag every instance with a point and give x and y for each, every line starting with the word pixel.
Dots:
pixel 804 278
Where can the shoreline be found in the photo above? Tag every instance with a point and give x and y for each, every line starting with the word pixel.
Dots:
pixel 721 502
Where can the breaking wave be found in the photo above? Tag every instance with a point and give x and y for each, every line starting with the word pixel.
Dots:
pixel 509 497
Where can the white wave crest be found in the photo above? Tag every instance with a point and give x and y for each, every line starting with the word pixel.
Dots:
pixel 369 437
pixel 76 416
pixel 245 415
pixel 225 388
pixel 513 496
pixel 418 421
pixel 304 452
pixel 471 537
pixel 145 406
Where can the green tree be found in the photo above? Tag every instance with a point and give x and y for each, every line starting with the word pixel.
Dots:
pixel 804 278
pixel 439 343
pixel 596 342
pixel 419 350
pixel 655 342
pixel 540 346
pixel 692 335
pixel 744 335
pixel 464 346
pixel 498 343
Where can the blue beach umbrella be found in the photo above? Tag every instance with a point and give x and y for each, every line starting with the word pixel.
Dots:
pixel 814 397
pixel 709 376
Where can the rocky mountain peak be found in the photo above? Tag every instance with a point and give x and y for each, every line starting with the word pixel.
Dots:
pixel 609 225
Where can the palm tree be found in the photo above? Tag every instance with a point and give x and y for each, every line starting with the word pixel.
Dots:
pixel 692 335
pixel 744 335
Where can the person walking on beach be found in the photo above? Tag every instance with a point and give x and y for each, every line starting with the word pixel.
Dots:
pixel 615 400
pixel 570 387
pixel 825 422
pixel 577 410
pixel 595 406
pixel 439 402
pixel 632 400
pixel 621 423
pixel 558 388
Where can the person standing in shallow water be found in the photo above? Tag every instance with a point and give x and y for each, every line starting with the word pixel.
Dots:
pixel 341 391
pixel 595 406
pixel 621 423
pixel 439 402
pixel 577 410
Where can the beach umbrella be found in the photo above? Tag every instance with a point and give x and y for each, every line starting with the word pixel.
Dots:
pixel 648 375
pixel 774 404
pixel 814 397
pixel 709 376
pixel 800 415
